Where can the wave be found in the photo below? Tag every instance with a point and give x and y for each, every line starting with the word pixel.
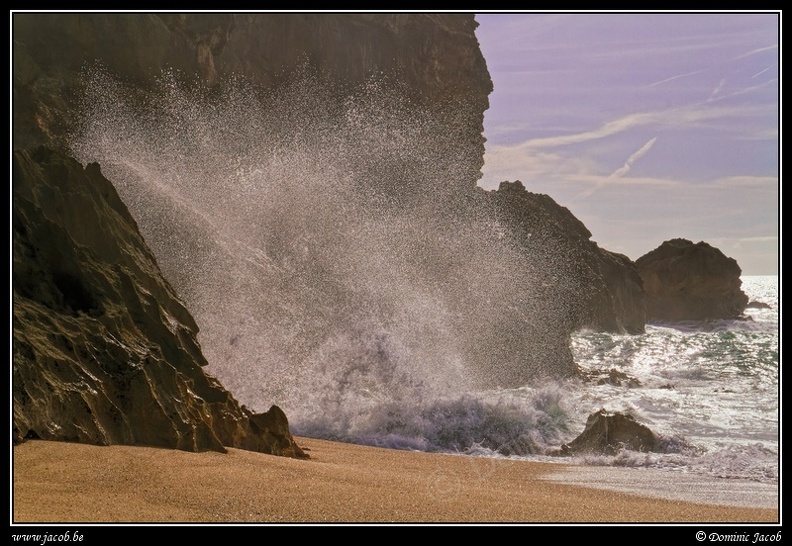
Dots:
pixel 373 323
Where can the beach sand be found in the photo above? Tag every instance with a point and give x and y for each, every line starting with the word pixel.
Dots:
pixel 56 482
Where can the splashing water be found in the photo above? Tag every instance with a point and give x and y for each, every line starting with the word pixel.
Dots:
pixel 330 254
pixel 338 262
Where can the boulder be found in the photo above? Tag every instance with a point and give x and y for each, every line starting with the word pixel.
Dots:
pixel 104 352
pixel 686 281
pixel 607 433
pixel 618 379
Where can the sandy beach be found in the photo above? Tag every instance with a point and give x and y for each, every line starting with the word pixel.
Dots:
pixel 62 482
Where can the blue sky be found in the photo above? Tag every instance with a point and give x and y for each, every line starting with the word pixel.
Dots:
pixel 646 126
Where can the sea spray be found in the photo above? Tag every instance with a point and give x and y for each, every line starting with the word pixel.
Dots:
pixel 338 263
pixel 335 256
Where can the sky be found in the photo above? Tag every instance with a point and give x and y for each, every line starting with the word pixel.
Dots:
pixel 646 127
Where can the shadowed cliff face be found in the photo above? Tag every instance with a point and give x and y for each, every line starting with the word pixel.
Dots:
pixel 596 289
pixel 104 351
pixel 429 59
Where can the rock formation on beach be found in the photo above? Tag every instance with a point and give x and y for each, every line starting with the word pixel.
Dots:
pixel 686 281
pixel 104 352
pixel 601 290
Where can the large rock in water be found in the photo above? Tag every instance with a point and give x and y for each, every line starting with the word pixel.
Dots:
pixel 607 433
pixel 103 350
pixel 687 281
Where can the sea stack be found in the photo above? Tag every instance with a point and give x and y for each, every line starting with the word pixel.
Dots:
pixel 686 281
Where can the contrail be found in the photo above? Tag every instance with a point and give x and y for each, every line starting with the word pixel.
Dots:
pixel 716 90
pixel 624 169
pixel 671 78
pixel 760 73
pixel 621 171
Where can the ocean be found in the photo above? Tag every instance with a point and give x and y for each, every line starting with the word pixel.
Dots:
pixel 362 321
pixel 708 390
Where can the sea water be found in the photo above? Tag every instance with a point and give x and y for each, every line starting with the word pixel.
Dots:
pixel 362 320
pixel 709 390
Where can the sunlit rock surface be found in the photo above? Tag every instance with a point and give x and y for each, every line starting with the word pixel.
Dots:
pixel 691 281
pixel 104 352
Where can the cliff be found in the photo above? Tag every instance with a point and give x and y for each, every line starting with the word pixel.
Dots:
pixel 103 350
pixel 596 289
pixel 431 59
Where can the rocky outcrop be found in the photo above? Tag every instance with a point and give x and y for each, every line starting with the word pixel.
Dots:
pixel 433 60
pixel 596 289
pixel 758 305
pixel 103 350
pixel 607 433
pixel 686 281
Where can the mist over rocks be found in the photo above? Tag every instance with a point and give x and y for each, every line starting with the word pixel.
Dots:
pixel 431 60
pixel 691 281
pixel 104 352
pixel 598 289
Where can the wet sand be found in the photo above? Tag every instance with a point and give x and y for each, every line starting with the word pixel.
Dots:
pixel 57 482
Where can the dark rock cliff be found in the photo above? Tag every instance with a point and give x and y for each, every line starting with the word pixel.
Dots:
pixel 103 350
pixel 432 59
pixel 596 289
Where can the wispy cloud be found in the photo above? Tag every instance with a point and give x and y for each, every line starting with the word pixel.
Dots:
pixel 763 239
pixel 703 70
pixel 624 169
pixel 683 116
pixel 675 77
pixel 755 51
pixel 747 182
pixel 743 91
